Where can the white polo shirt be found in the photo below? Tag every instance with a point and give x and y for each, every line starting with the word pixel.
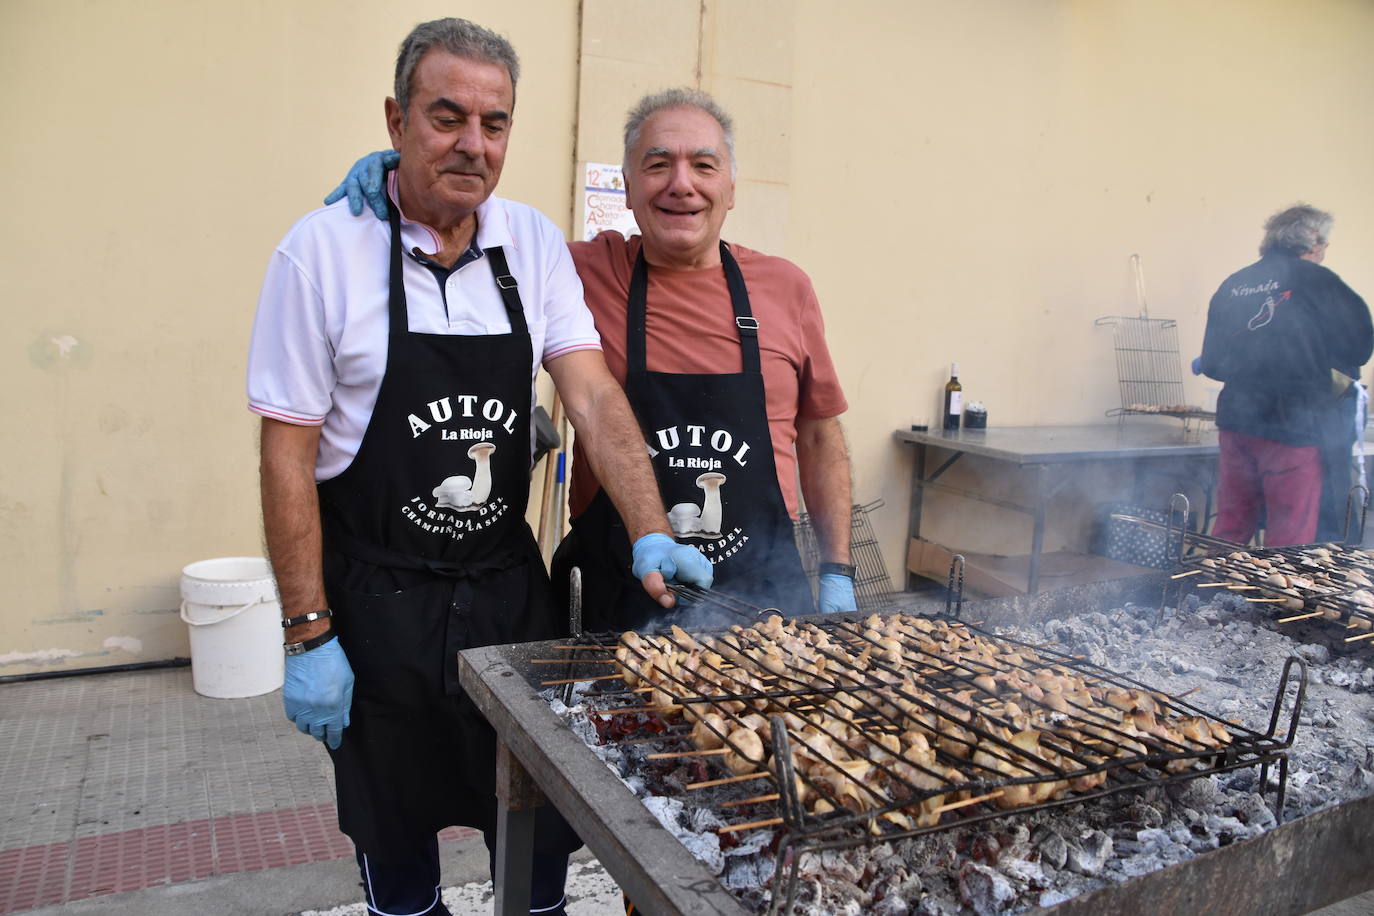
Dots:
pixel 319 342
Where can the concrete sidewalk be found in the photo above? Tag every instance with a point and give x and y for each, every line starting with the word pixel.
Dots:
pixel 129 793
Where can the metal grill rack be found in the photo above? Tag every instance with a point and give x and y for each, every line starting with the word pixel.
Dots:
pixel 1336 589
pixel 1148 369
pixel 886 676
pixel 872 585
pixel 1336 581
pixel 1148 366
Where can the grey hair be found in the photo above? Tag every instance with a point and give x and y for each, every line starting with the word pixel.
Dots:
pixel 677 98
pixel 458 37
pixel 1296 230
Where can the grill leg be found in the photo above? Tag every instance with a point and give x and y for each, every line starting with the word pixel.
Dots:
pixel 518 799
pixel 1037 529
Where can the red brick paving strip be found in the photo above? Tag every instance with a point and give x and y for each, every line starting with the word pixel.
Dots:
pixel 171 854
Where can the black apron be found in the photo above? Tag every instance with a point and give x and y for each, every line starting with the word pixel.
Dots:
pixel 427 552
pixel 711 450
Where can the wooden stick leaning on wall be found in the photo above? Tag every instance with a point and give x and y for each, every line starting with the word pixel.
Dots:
pixel 547 500
pixel 562 478
pixel 562 482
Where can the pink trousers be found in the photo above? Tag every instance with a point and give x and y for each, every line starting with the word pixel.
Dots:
pixel 1284 480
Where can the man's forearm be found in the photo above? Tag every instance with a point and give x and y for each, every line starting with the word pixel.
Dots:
pixel 615 449
pixel 291 522
pixel 823 465
pixel 611 440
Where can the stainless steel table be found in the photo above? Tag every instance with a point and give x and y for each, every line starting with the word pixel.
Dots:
pixel 1050 453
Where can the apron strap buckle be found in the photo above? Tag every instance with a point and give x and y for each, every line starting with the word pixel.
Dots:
pixel 506 281
pixel 747 324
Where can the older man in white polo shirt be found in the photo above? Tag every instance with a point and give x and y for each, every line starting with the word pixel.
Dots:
pixel 393 364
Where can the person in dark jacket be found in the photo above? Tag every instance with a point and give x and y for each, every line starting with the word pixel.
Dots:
pixel 1288 338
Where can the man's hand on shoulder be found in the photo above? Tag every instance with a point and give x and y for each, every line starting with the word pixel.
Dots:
pixel 366 181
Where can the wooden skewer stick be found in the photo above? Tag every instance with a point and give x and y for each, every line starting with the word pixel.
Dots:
pixel 632 709
pixel 1361 636
pixel 757 799
pixel 586 648
pixel 578 680
pixel 968 801
pixel 752 825
pixel 669 755
pixel 1241 588
pixel 1266 600
pixel 1185 693
pixel 572 661
pixel 727 780
pixel 1191 572
pixel 1214 585
pixel 1300 616
pixel 656 739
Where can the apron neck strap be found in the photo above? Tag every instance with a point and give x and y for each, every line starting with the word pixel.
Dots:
pixel 637 311
pixel 510 290
pixel 396 299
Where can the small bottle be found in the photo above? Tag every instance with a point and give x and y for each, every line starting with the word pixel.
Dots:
pixel 954 398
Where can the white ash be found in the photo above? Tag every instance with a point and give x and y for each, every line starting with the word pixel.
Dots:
pixel 1233 651
pixel 1229 649
pixel 695 826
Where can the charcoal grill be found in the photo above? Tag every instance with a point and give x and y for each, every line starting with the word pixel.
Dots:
pixel 659 873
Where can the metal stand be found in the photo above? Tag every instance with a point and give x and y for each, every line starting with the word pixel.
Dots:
pixel 518 798
pixel 954 588
pixel 1362 492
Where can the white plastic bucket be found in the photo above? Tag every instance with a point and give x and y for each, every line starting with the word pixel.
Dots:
pixel 230 606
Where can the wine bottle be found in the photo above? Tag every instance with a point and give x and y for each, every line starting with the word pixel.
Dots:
pixel 954 398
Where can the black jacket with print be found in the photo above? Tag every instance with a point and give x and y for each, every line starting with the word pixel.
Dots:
pixel 1275 330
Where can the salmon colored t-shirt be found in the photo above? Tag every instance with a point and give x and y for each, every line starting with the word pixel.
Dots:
pixel 691 328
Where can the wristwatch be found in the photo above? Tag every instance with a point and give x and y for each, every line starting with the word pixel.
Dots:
pixel 837 569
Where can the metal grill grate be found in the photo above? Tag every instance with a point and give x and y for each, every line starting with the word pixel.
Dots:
pixel 1334 582
pixel 1147 361
pixel 1148 366
pixel 962 700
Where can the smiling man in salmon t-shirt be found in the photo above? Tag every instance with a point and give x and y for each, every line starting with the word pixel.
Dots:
pixel 722 353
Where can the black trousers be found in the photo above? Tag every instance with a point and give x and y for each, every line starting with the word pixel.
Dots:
pixel 418 755
pixel 1337 440
pixel 412 888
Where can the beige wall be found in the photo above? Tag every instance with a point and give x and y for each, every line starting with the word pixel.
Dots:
pixel 969 180
pixel 962 181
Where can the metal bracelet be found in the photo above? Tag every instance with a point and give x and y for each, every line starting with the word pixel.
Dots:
pixel 306 618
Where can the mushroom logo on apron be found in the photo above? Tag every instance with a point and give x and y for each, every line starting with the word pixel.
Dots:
pixel 703 519
pixel 462 502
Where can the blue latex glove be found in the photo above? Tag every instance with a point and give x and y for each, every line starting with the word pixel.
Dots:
pixel 836 594
pixel 677 562
pixel 318 692
pixel 1197 365
pixel 366 180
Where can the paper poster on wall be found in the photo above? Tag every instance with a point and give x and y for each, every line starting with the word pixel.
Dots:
pixel 603 202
